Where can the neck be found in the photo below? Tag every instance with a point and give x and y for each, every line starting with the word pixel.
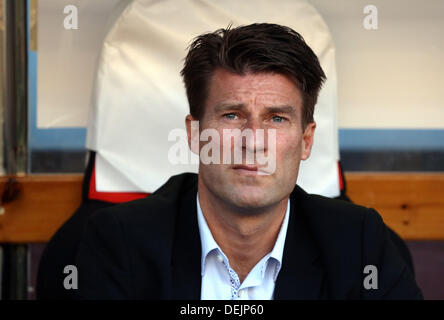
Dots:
pixel 244 238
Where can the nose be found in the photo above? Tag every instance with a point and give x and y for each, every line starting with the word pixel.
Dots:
pixel 254 135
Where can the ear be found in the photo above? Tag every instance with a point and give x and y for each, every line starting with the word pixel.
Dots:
pixel 192 126
pixel 307 140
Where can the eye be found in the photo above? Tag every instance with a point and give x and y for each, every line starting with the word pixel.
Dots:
pixel 231 116
pixel 278 119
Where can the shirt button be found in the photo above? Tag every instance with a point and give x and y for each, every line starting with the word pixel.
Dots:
pixel 220 258
pixel 241 294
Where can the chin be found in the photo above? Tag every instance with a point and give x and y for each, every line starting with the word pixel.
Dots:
pixel 248 199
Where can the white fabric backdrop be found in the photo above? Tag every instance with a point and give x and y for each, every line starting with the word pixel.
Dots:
pixel 139 96
pixel 67 59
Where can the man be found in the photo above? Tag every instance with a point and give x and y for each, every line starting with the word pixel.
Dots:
pixel 242 230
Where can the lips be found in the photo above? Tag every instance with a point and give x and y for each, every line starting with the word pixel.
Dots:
pixel 245 167
pixel 249 170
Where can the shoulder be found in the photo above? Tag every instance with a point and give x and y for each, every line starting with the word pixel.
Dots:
pixel 350 229
pixel 350 238
pixel 333 214
pixel 157 206
pixel 343 224
pixel 125 248
pixel 340 230
pixel 151 217
pixel 150 209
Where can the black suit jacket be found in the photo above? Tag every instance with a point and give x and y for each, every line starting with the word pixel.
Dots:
pixel 150 249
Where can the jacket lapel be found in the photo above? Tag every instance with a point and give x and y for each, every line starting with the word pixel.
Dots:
pixel 301 275
pixel 186 255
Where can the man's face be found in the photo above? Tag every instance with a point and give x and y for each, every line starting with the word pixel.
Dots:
pixel 254 101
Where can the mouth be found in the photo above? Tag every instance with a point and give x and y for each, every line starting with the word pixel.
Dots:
pixel 249 170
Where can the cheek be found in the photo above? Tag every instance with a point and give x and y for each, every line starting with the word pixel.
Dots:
pixel 288 148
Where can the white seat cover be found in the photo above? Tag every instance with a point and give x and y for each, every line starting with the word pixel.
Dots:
pixel 139 96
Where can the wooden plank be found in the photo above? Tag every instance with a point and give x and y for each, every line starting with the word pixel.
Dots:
pixel 411 203
pixel 43 204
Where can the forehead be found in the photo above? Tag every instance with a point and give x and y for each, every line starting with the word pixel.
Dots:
pixel 259 89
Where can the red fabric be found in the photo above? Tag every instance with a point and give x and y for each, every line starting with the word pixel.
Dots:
pixel 341 182
pixel 114 197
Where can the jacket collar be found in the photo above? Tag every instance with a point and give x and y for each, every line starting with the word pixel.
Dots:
pixel 186 273
pixel 301 274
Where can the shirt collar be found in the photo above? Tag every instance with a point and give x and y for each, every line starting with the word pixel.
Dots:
pixel 208 243
pixel 278 249
pixel 206 238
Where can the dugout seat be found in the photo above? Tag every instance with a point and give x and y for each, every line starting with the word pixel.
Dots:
pixel 138 91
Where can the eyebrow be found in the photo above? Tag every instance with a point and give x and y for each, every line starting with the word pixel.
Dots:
pixel 281 109
pixel 287 109
pixel 229 106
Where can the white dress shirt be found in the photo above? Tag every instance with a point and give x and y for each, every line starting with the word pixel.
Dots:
pixel 221 282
